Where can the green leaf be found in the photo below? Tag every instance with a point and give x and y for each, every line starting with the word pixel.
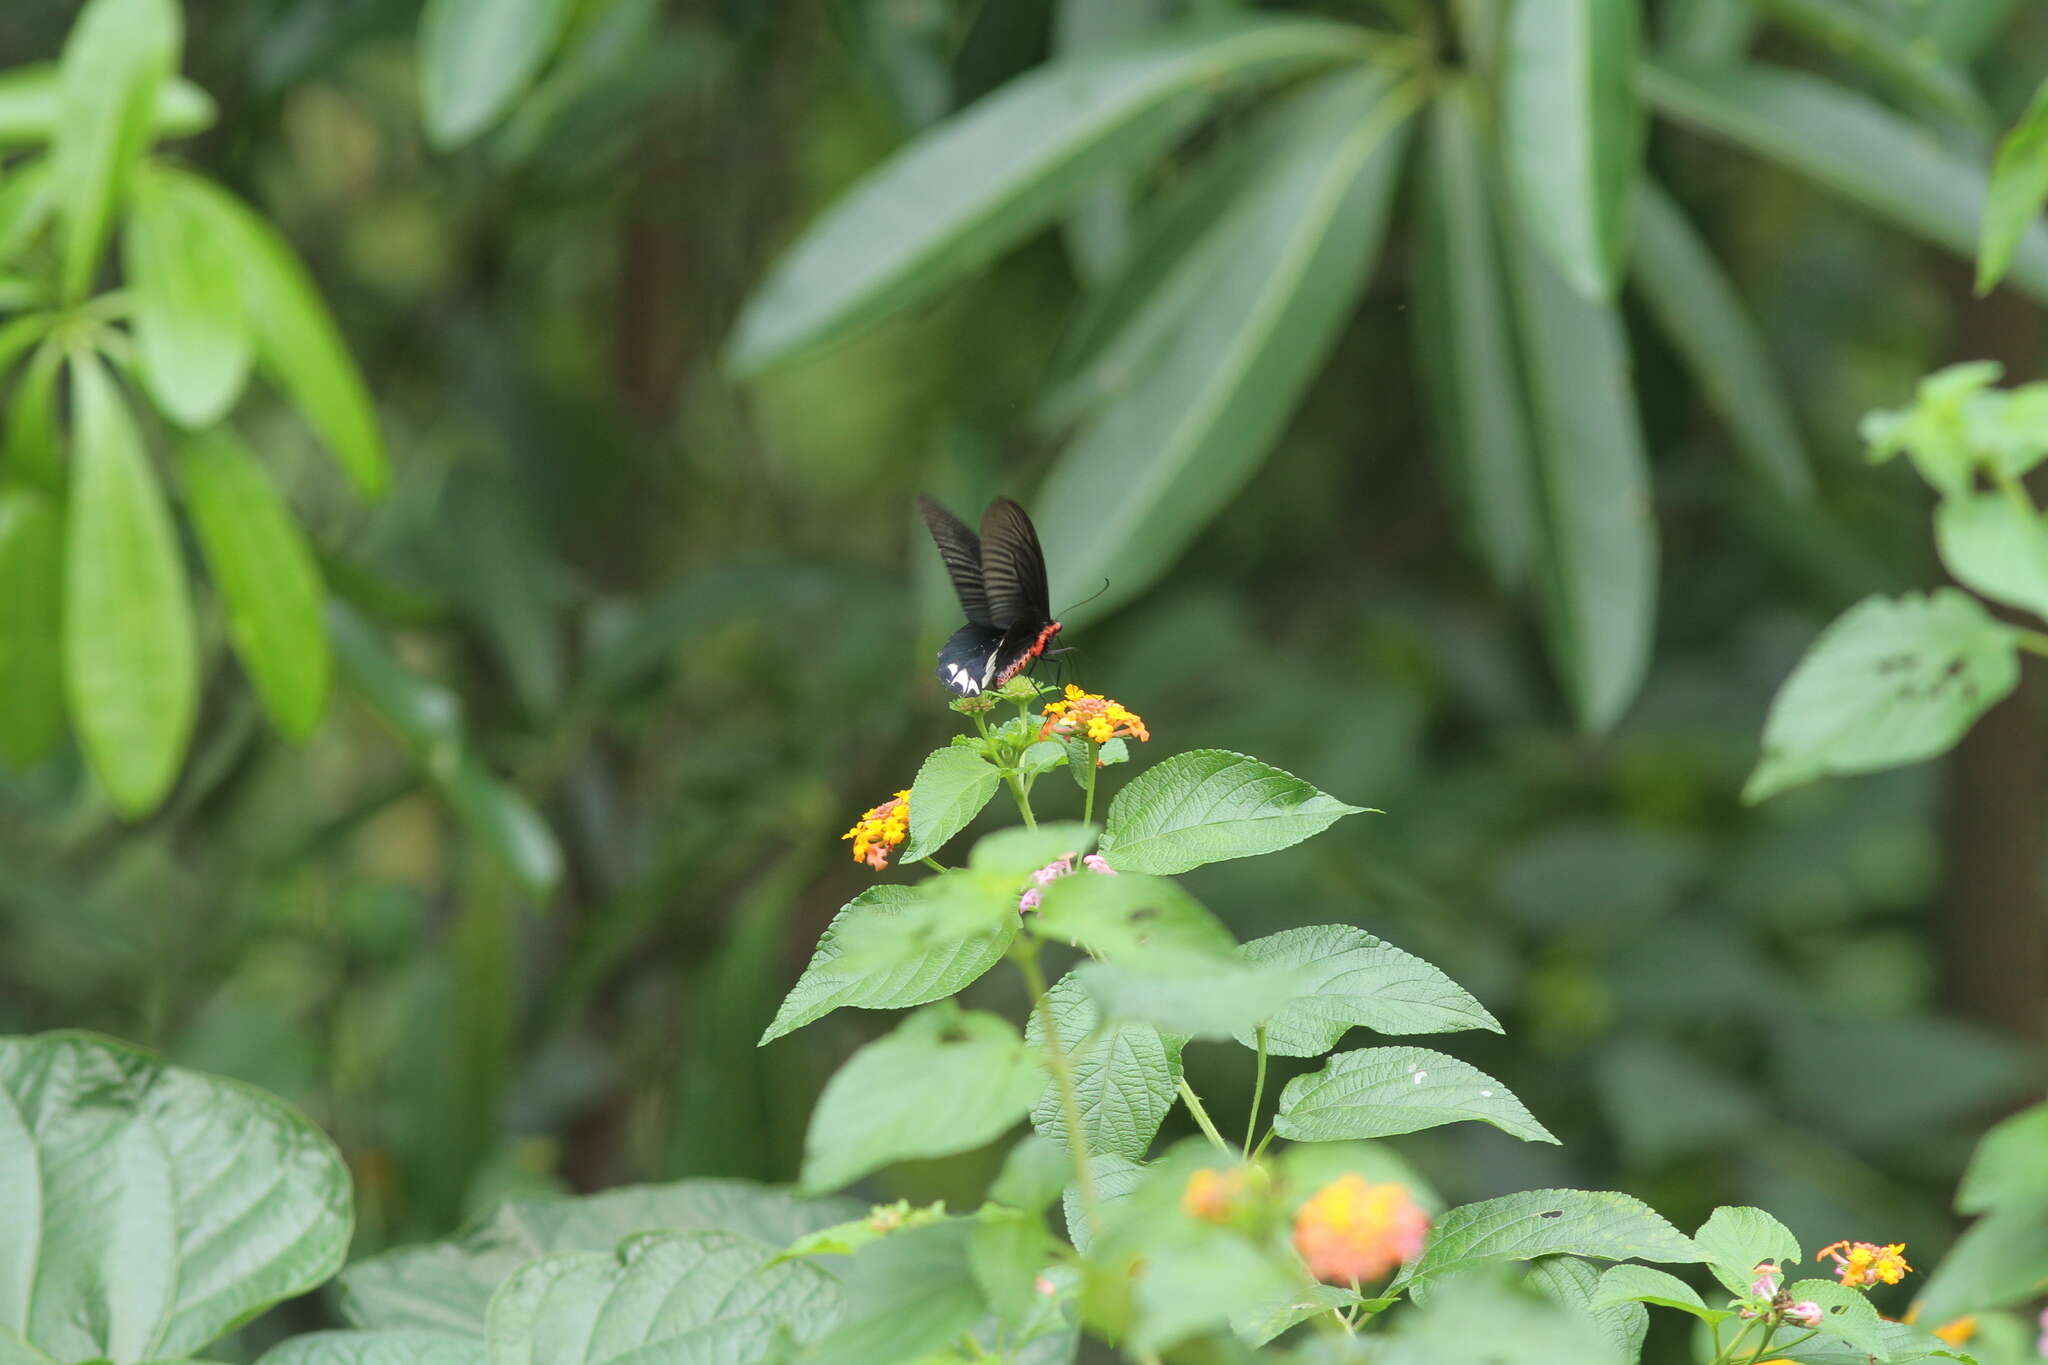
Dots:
pixel 1116 1177
pixel 118 56
pixel 1349 979
pixel 945 1081
pixel 15 1351
pixel 27 199
pixel 1006 1250
pixel 991 176
pixel 1846 1313
pixel 943 967
pixel 268 583
pixel 2009 1169
pixel 1207 805
pixel 130 664
pixel 1521 1227
pixel 1913 68
pixel 1042 757
pixel 2000 1261
pixel 1381 1091
pixel 151 1209
pixel 1035 1170
pixel 1573 133
pixel 1484 1317
pixel 1735 1240
pixel 297 343
pixel 1571 1284
pixel 31 616
pixel 908 1294
pixel 1191 993
pixel 706 1297
pixel 33 452
pixel 1848 144
pixel 1892 681
pixel 192 340
pixel 1286 265
pixel 1701 315
pixel 2019 186
pixel 1464 333
pixel 1014 854
pixel 1997 546
pixel 1642 1284
pixel 1123 916
pixel 1126 1074
pixel 32 105
pixel 476 59
pixel 1599 550
pixel 378 1348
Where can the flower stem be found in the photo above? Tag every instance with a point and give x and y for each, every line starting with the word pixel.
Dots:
pixel 1723 1357
pixel 1023 795
pixel 1026 957
pixel 1251 1125
pixel 1088 792
pixel 1202 1119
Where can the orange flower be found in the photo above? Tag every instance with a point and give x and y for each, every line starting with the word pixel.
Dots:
pixel 876 834
pixel 1093 715
pixel 1861 1264
pixel 1213 1196
pixel 1353 1231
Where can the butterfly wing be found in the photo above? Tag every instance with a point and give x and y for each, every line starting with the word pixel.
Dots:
pixel 1013 568
pixel 968 659
pixel 960 548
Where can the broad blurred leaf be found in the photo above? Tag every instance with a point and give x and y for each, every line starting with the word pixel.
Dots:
pixel 1848 144
pixel 910 1293
pixel 1193 994
pixel 1571 1284
pixel 191 338
pixel 32 103
pixel 1521 1227
pixel 378 1348
pixel 1284 266
pixel 945 1081
pixel 1349 979
pixel 951 788
pixel 150 1208
pixel 1999 1261
pixel 1997 546
pixel 1642 1284
pixel 989 177
pixel 31 616
pixel 1465 333
pixel 32 451
pixel 2019 186
pixel 1735 1240
pixel 1916 69
pixel 268 584
pixel 1382 1091
pixel 130 663
pixel 1207 805
pixel 1706 32
pixel 1097 230
pixel 27 200
pixel 946 967
pixel 117 58
pixel 1126 1074
pixel 475 58
pixel 297 343
pixel 1013 854
pixel 1115 1178
pixel 2009 1169
pixel 1700 313
pixel 1483 1317
pixel 1573 132
pixel 1007 1250
pixel 1125 916
pixel 1892 681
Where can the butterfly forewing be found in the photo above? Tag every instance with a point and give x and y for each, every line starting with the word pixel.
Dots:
pixel 960 548
pixel 1012 568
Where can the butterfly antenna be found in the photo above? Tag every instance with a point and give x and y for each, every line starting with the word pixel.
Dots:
pixel 1089 598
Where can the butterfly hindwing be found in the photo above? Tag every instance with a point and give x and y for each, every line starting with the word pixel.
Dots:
pixel 967 661
pixel 960 549
pixel 1012 568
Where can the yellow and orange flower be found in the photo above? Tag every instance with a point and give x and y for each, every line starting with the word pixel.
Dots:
pixel 876 834
pixel 1860 1264
pixel 1093 715
pixel 1351 1231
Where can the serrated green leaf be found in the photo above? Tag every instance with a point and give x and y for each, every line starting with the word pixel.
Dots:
pixel 1571 1284
pixel 952 787
pixel 192 342
pixel 1845 1313
pixel 943 967
pixel 131 666
pixel 1349 979
pixel 1115 1178
pixel 1381 1091
pixel 1735 1239
pixel 1872 41
pixel 1192 994
pixel 2019 186
pixel 1013 854
pixel 1643 1284
pixel 269 586
pixel 31 618
pixel 475 60
pixel 1262 1322
pixel 2009 1169
pixel 1125 1074
pixel 117 58
pixel 990 176
pixel 2000 1261
pixel 378 1348
pixel 945 1081
pixel 1207 805
pixel 1126 915
pixel 150 1208
pixel 1997 546
pixel 1042 757
pixel 1521 1227
pixel 1892 681
pixel 1574 133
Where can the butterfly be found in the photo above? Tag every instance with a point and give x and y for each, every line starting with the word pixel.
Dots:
pixel 1000 577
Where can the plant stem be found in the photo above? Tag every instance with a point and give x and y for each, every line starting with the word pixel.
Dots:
pixel 1787 1347
pixel 1018 790
pixel 1088 792
pixel 934 864
pixel 2033 641
pixel 1251 1125
pixel 1725 1356
pixel 1202 1119
pixel 1063 1077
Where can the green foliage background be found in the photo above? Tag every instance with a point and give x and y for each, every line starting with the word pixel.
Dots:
pixel 630 641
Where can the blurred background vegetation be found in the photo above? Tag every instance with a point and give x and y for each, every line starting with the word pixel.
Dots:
pixel 692 620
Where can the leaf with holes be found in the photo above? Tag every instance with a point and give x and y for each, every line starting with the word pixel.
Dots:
pixel 1521 1227
pixel 1125 1074
pixel 1381 1091
pixel 1349 979
pixel 1207 805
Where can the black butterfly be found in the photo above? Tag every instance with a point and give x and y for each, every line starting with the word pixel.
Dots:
pixel 1000 576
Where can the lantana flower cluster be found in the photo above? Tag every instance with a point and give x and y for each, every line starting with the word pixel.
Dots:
pixel 1093 715
pixel 1348 1232
pixel 1861 1264
pixel 878 833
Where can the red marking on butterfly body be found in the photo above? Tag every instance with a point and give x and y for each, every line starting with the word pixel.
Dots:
pixel 1031 652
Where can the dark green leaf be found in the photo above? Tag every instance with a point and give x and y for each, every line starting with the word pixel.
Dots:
pixel 192 341
pixel 1735 1240
pixel 31 614
pixel 1125 1074
pixel 1521 1227
pixel 117 58
pixel 1870 40
pixel 2019 186
pixel 1207 805
pixel 952 787
pixel 475 59
pixel 1382 1091
pixel 1349 979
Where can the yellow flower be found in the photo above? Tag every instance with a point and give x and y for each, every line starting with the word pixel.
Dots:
pixel 1352 1231
pixel 1093 715
pixel 1213 1196
pixel 876 834
pixel 1860 1264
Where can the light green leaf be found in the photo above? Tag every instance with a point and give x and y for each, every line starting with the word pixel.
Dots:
pixel 1574 132
pixel 1903 1345
pixel 116 59
pixel 1571 1284
pixel 2019 185
pixel 992 175
pixel 944 967
pixel 1284 268
pixel 1599 549
pixel 15 1351
pixel 1999 547
pixel 378 1348
pixel 1699 312
pixel 1381 1091
pixel 1035 1170
pixel 1125 1074
pixel 27 199
pixel 1349 979
pixel 908 1294
pixel 1116 1177
pixel 268 583
pixel 1482 1317
pixel 708 1298
pixel 151 1209
pixel 1521 1227
pixel 1042 757
pixel 1187 992
pixel 475 59
pixel 31 616
pixel 945 1081
pixel 2009 1169
pixel 131 668
pixel 297 343
pixel 1892 681
pixel 1735 1239
pixel 32 452
pixel 2001 1260
pixel 32 102
pixel 1129 914
pixel 1915 69
pixel 1464 333
pixel 1014 854
pixel 1848 144
pixel 192 340
pixel 1846 1313
pixel 1207 805
pixel 1007 1249
pixel 960 904
pixel 1642 1284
